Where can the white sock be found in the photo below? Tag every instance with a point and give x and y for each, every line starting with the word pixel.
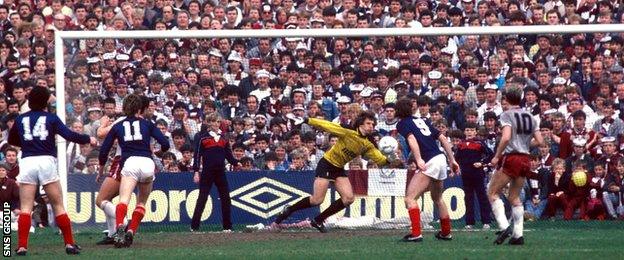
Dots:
pixel 518 220
pixel 109 211
pixel 498 208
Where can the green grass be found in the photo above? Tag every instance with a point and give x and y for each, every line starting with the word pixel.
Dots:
pixel 544 240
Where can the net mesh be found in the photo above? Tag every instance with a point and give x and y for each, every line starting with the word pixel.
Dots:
pixel 206 75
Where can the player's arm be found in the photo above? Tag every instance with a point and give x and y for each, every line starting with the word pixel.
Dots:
pixel 376 156
pixel 105 126
pixel 504 140
pixel 14 138
pixel 106 147
pixel 449 153
pixel 327 126
pixel 537 136
pixel 415 148
pixel 70 135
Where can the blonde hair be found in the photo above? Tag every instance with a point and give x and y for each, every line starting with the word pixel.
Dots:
pixel 132 104
pixel 212 117
pixel 558 162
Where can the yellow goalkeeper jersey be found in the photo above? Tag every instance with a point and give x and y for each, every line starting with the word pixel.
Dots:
pixel 350 144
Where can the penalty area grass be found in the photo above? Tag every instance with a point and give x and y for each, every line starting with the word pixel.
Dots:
pixel 543 240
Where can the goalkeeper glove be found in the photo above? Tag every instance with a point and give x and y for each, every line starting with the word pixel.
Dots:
pixel 391 157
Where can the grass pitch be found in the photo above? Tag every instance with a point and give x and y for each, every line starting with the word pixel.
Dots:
pixel 544 240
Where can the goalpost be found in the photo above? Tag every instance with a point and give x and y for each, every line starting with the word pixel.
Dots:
pixel 60 36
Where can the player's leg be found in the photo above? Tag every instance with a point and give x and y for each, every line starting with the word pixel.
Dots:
pixel 226 202
pixel 108 190
pixel 517 210
pixel 498 182
pixel 318 195
pixel 417 186
pixel 205 183
pixel 343 186
pixel 145 188
pixel 126 188
pixel 437 188
pixel 27 198
pixel 55 196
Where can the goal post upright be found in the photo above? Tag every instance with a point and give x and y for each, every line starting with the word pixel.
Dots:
pixel 59 36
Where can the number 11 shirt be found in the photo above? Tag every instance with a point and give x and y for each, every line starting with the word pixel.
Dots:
pixel 133 136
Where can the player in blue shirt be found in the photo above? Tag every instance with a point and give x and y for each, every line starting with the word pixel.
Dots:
pixel 35 132
pixel 133 136
pixel 109 188
pixel 421 138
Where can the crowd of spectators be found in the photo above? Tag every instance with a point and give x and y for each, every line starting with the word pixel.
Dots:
pixel 573 83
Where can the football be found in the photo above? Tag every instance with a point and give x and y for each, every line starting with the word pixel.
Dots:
pixel 579 178
pixel 388 145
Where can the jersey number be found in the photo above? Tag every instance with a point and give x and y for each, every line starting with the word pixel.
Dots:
pixel 39 130
pixel 525 125
pixel 424 128
pixel 128 132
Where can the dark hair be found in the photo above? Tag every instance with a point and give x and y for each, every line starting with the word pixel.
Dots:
pixel 403 108
pixel 579 114
pixel 38 98
pixel 109 100
pixel 144 103
pixel 513 95
pixel 363 116
pixel 471 125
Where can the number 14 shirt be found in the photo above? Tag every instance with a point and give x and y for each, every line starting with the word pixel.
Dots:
pixel 35 132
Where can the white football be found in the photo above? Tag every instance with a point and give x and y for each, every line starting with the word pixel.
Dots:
pixel 388 144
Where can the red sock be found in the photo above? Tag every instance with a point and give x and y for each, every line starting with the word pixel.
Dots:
pixel 62 221
pixel 137 216
pixel 445 226
pixel 23 224
pixel 414 214
pixel 120 213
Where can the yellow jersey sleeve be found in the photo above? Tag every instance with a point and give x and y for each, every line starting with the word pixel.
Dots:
pixel 329 127
pixel 376 156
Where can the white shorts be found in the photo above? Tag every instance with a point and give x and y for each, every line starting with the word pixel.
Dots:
pixel 36 170
pixel 437 167
pixel 139 168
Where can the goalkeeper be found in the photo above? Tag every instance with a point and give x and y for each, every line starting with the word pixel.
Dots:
pixel 351 143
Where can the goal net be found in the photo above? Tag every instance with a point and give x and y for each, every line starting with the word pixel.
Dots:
pixel 355 68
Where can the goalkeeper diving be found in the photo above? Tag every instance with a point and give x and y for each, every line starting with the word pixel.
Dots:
pixel 351 143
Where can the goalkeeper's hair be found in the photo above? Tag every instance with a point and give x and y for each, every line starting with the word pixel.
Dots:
pixel 132 104
pixel 363 116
